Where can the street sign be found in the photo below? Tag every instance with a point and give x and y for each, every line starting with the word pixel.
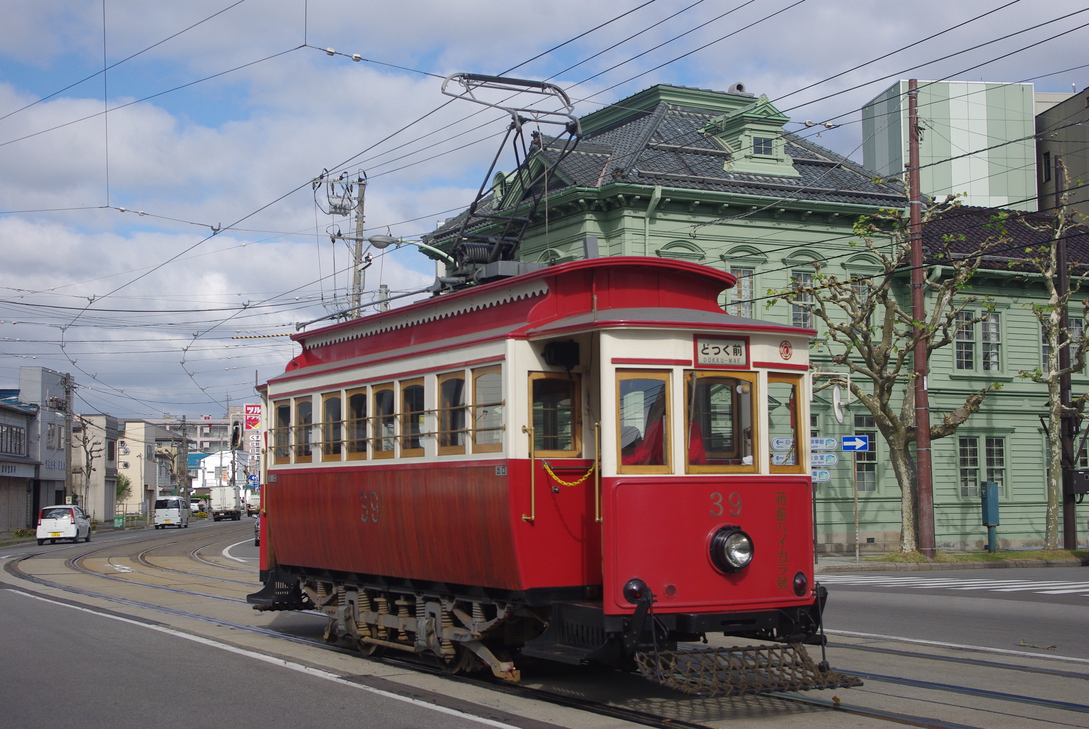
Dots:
pixel 823 444
pixel 821 475
pixel 856 443
pixel 782 444
pixel 782 459
pixel 254 478
pixel 823 459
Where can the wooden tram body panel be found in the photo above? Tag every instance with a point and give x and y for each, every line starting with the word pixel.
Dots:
pixel 459 525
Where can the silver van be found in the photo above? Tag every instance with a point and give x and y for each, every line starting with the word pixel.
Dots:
pixel 171 511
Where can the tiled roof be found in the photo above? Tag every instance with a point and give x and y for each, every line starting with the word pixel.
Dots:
pixel 972 228
pixel 663 145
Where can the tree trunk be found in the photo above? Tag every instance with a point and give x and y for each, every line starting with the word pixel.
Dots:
pixel 1054 466
pixel 903 466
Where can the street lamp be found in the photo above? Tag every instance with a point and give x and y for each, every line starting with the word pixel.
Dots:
pixel 383 241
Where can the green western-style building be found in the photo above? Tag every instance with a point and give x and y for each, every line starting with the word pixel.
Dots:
pixel 714 177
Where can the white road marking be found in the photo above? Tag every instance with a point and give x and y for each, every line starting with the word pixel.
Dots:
pixel 1043 587
pixel 956 646
pixel 291 665
pixel 228 555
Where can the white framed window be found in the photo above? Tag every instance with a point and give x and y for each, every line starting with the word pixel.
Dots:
pixel 866 461
pixel 965 341
pixel 976 466
pixel 743 292
pixel 800 313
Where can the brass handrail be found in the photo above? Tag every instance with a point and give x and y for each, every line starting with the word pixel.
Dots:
pixel 532 477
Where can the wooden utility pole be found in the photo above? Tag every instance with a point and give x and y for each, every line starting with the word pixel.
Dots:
pixel 924 504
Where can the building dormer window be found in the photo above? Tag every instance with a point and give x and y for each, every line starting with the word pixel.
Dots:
pixel 762 145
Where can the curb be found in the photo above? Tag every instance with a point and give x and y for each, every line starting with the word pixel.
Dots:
pixel 922 566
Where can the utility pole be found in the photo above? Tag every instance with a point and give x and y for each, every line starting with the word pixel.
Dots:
pixel 357 259
pixel 1068 425
pixel 67 404
pixel 343 200
pixel 923 470
pixel 183 464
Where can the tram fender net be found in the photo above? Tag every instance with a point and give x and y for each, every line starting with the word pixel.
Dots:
pixel 740 670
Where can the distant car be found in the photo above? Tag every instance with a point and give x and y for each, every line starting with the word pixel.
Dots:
pixel 63 522
pixel 257 531
pixel 171 511
pixel 196 506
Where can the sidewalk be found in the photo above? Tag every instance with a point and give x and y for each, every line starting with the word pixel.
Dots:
pixel 842 563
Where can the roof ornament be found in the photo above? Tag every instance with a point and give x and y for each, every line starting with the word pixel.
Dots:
pixel 492 229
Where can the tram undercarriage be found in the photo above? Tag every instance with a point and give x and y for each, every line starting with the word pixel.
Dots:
pixel 465 634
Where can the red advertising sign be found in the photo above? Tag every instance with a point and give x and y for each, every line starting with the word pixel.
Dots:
pixel 253 417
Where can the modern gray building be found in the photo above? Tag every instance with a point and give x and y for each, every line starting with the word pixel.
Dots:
pixel 977 140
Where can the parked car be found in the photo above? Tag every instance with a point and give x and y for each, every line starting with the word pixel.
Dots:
pixel 257 531
pixel 63 522
pixel 171 511
pixel 196 506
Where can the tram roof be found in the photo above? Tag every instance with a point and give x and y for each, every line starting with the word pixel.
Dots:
pixel 610 292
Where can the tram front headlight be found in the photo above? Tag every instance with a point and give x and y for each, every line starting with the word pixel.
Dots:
pixel 731 549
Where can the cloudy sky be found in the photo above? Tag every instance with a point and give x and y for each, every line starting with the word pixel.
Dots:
pixel 159 229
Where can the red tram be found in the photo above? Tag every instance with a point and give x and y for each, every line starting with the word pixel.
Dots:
pixel 585 462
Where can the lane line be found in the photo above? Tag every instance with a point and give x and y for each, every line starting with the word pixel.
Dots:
pixel 956 646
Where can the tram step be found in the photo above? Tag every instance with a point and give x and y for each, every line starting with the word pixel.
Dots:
pixel 740 670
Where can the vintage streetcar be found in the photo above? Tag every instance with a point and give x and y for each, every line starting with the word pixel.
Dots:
pixel 588 461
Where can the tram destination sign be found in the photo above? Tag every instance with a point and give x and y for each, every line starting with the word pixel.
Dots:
pixel 714 352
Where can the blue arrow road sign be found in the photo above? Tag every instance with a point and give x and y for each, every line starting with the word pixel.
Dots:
pixel 855 442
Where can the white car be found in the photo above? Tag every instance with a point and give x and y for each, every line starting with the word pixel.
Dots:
pixel 63 522
pixel 171 511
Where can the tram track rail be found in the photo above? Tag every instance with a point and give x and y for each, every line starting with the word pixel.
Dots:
pixel 711 707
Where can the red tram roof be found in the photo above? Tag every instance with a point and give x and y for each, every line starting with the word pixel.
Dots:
pixel 595 292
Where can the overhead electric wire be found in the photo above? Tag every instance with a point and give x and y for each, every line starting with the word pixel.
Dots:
pixel 516 67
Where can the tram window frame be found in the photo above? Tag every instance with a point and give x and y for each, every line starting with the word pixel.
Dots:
pixel 281 431
pixel 356 441
pixel 574 392
pixel 716 461
pixel 487 409
pixel 412 434
pixel 666 377
pixel 332 430
pixel 451 416
pixel 304 429
pixel 801 459
pixel 381 419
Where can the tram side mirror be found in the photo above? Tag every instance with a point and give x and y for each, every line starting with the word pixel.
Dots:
pixel 561 354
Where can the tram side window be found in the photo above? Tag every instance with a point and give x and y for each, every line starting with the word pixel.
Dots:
pixel 332 437
pixel 784 433
pixel 643 421
pixel 304 422
pixel 719 421
pixel 555 406
pixel 451 413
pixel 384 421
pixel 412 416
pixel 357 424
pixel 282 432
pixel 487 410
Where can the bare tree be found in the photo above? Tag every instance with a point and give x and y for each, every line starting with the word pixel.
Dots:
pixel 92 449
pixel 868 332
pixel 1045 259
